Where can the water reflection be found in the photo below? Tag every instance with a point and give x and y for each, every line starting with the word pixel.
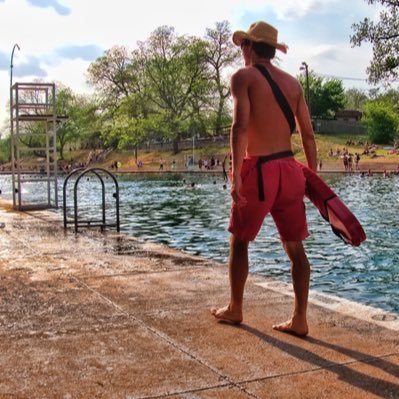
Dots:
pixel 167 209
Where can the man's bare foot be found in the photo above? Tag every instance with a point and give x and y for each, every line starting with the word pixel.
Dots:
pixel 226 314
pixel 293 326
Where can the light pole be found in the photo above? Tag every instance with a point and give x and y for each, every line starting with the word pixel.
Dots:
pixel 11 67
pixel 304 67
pixel 11 64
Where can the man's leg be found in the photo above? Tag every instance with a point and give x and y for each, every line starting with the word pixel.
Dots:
pixel 300 271
pixel 238 272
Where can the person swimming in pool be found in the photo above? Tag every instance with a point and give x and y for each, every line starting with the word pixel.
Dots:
pixel 265 178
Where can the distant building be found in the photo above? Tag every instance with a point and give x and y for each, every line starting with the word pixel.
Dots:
pixel 348 115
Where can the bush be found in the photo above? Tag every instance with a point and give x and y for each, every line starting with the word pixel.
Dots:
pixel 5 155
pixel 381 122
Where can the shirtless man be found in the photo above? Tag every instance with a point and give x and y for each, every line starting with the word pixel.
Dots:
pixel 260 129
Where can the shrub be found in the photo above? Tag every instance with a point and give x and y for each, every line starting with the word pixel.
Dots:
pixel 381 121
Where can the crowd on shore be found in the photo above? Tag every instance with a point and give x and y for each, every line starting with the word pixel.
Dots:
pixel 338 160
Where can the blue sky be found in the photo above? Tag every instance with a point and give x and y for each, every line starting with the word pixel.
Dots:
pixel 59 39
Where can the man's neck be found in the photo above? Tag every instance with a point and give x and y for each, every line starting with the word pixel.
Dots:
pixel 260 60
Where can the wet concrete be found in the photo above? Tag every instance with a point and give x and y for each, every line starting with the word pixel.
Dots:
pixel 105 316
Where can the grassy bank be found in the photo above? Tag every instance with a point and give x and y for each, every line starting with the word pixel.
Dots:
pixel 379 158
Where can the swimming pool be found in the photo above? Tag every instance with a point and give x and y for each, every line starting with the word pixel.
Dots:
pixel 166 208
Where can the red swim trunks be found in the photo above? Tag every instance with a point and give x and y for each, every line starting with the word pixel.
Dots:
pixel 284 190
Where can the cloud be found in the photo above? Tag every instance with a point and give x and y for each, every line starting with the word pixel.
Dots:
pixel 4 61
pixel 59 8
pixel 31 67
pixel 86 52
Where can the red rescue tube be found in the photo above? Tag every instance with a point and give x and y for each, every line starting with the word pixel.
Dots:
pixel 343 222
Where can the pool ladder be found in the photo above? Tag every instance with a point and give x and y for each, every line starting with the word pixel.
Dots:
pixel 79 173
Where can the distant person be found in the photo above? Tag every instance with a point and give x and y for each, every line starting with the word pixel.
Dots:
pixel 265 177
pixel 350 163
pixel 357 159
pixel 225 176
pixel 213 162
pixel 345 161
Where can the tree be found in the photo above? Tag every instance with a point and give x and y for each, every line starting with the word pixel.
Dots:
pixel 355 99
pixel 84 118
pixel 120 83
pixel 391 97
pixel 221 54
pixel 67 130
pixel 5 145
pixel 326 95
pixel 111 75
pixel 177 78
pixel 384 36
pixel 381 121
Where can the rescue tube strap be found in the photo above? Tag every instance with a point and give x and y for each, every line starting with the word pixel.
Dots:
pixel 279 96
pixel 265 158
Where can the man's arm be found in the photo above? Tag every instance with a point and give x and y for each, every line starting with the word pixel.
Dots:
pixel 306 131
pixel 238 134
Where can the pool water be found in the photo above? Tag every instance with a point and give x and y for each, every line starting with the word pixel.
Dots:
pixel 166 208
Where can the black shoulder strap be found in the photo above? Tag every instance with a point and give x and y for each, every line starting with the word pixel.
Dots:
pixel 278 94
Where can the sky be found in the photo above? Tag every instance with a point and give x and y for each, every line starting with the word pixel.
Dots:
pixel 58 39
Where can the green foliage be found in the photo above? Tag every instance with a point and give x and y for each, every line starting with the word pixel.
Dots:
pixel 221 53
pixel 355 99
pixel 171 86
pixel 381 121
pixel 5 154
pixel 326 95
pixel 391 97
pixel 384 36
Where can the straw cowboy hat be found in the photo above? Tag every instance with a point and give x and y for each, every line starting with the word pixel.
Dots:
pixel 260 32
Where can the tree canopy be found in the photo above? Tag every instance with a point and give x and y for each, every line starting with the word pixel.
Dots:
pixel 326 96
pixel 382 122
pixel 355 99
pixel 170 86
pixel 384 37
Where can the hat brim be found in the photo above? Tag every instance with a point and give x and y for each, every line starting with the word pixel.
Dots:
pixel 239 36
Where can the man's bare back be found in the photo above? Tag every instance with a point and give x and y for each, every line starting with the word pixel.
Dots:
pixel 267 128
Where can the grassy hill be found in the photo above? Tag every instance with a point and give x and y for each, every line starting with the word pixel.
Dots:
pixel 380 158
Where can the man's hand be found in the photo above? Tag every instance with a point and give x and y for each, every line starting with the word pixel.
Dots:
pixel 235 192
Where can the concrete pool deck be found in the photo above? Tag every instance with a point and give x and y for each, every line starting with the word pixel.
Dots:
pixel 106 316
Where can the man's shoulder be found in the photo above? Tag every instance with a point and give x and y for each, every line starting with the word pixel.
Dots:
pixel 285 75
pixel 242 75
pixel 284 79
pixel 244 71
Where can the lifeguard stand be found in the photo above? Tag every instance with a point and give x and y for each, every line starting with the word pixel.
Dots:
pixel 34 135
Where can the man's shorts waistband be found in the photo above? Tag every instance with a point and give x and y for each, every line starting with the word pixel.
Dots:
pixel 265 158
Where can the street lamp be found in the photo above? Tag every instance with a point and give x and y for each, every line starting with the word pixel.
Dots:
pixel 11 64
pixel 304 67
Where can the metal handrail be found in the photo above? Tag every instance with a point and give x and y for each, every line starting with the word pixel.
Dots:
pixel 87 223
